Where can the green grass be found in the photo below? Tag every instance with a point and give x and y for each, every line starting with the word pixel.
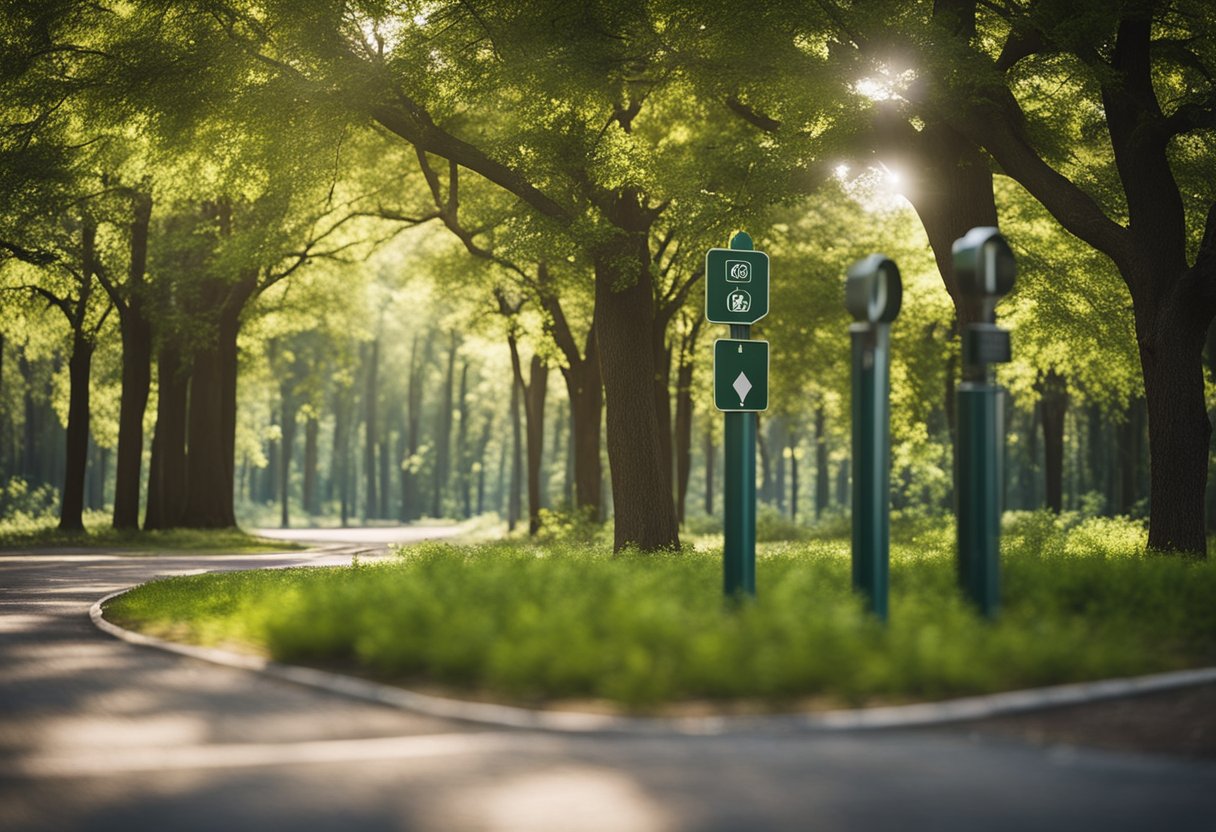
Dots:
pixel 534 624
pixel 22 533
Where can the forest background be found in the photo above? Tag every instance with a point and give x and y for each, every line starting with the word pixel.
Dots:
pixel 369 261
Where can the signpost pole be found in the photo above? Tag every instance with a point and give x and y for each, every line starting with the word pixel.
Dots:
pixel 873 292
pixel 985 269
pixel 739 483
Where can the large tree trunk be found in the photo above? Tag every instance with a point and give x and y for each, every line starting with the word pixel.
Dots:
pixel 167 470
pixel 136 373
pixel 1178 427
pixel 1053 393
pixel 211 425
pixel 641 494
pixel 77 445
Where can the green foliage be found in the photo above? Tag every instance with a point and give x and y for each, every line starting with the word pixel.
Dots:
pixel 532 624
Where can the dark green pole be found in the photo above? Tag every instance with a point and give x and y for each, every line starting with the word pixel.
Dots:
pixel 873 292
pixel 739 484
pixel 984 268
pixel 871 463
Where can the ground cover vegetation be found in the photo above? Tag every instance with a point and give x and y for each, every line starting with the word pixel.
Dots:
pixel 316 261
pixel 540 624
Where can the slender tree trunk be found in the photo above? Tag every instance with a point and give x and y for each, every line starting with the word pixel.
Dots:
pixel 514 500
pixel 288 420
pixel 1053 393
pixel 535 419
pixel 136 373
pixel 777 439
pixel 411 506
pixel 269 492
pixel 585 390
pixel 443 432
pixel 641 470
pixel 822 476
pixel 793 479
pixel 370 437
pixel 710 455
pixel 462 440
pixel 77 446
pixel 312 429
pixel 683 431
pixel 765 492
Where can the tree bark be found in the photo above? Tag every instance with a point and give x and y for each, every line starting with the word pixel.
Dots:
pixel 167 470
pixel 514 499
pixel 462 440
pixel 645 511
pixel 77 445
pixel 710 453
pixel 443 432
pixel 684 407
pixel 312 428
pixel 822 476
pixel 289 406
pixel 136 371
pixel 371 398
pixel 1053 394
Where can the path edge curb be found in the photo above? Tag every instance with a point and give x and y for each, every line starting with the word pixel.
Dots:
pixel 509 716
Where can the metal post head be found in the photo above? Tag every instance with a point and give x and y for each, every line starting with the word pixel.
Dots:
pixel 873 289
pixel 984 268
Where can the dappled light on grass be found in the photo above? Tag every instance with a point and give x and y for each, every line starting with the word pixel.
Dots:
pixel 538 624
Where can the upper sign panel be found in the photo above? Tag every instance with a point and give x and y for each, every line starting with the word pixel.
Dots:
pixel 736 286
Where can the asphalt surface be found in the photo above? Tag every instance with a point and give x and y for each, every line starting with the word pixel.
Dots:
pixel 99 734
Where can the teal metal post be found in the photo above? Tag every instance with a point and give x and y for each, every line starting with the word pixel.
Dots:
pixel 873 292
pixel 984 268
pixel 978 486
pixel 739 484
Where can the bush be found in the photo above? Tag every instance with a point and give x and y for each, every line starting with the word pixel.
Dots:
pixel 540 622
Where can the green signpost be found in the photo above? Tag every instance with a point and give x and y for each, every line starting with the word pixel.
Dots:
pixel 740 375
pixel 873 292
pixel 736 293
pixel 985 270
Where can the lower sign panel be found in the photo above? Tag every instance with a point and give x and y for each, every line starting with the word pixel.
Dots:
pixel 740 375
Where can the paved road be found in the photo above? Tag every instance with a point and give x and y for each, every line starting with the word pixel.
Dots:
pixel 98 734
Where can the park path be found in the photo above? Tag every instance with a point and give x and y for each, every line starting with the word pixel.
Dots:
pixel 99 734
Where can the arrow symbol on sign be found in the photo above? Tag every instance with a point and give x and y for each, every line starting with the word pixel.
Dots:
pixel 742 386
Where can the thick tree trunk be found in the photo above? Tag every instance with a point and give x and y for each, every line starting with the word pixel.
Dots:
pixel 645 511
pixel 167 470
pixel 1178 427
pixel 136 373
pixel 1053 393
pixel 211 426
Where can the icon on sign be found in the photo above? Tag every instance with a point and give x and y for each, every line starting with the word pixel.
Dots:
pixel 738 271
pixel 739 301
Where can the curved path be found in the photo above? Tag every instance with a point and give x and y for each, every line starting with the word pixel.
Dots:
pixel 99 734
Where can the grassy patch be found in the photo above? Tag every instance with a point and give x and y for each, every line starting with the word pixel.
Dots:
pixel 534 624
pixel 42 533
